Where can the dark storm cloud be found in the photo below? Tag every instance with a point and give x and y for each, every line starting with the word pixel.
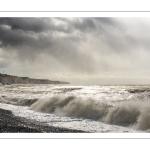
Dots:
pixel 84 25
pixel 19 31
pixel 32 24
pixel 30 37
pixel 81 44
pixel 13 38
pixel 38 32
pixel 18 38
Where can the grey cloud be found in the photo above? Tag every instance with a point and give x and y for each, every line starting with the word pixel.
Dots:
pixel 84 24
pixel 12 38
pixel 33 24
pixel 80 44
pixel 104 20
pixel 30 45
pixel 30 31
pixel 26 24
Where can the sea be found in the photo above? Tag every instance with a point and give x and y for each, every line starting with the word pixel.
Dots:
pixel 94 109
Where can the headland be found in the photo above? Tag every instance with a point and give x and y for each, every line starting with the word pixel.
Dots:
pixel 10 79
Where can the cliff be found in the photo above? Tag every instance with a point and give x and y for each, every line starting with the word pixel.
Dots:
pixel 9 79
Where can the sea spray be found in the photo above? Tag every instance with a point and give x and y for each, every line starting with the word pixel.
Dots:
pixel 71 106
pixel 135 114
pixel 126 113
pixel 51 103
pixel 18 101
pixel 143 122
pixel 112 105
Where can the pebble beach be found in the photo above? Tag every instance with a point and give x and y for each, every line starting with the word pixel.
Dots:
pixel 12 124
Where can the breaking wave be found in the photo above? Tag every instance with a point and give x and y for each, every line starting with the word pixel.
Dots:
pixel 132 113
pixel 70 106
pixel 135 114
pixel 18 101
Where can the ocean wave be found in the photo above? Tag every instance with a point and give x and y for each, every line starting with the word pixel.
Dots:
pixel 18 101
pixel 131 113
pixel 70 106
pixel 140 90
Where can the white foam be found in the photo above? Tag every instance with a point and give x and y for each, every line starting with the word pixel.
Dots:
pixel 67 122
pixel 109 104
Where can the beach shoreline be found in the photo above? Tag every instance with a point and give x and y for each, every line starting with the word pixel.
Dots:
pixel 14 124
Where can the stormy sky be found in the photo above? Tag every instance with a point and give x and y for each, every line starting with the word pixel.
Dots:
pixel 88 51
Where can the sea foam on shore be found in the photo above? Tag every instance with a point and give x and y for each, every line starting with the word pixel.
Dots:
pixel 87 108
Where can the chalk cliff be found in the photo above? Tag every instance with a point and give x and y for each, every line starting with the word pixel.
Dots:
pixel 9 79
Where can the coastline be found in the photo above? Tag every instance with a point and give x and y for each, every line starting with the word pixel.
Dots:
pixel 6 79
pixel 13 124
